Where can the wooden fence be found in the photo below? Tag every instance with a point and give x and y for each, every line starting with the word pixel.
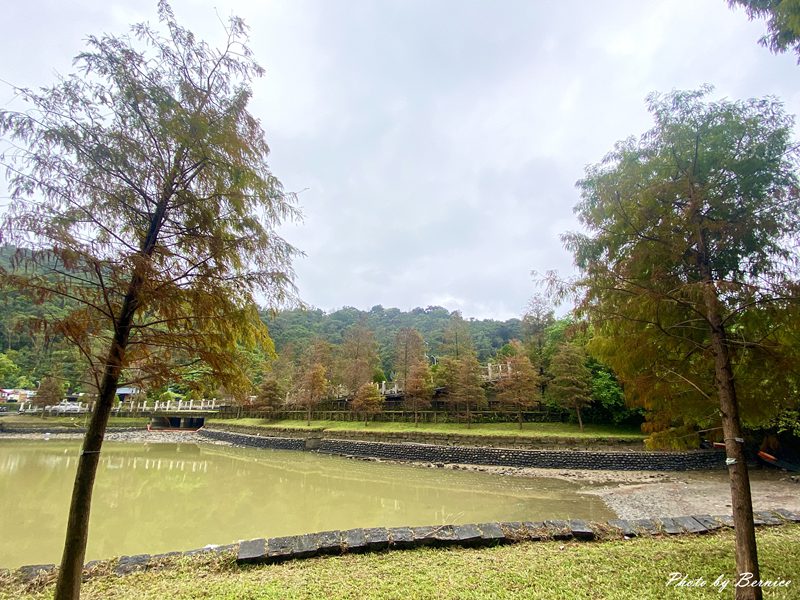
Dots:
pixel 401 416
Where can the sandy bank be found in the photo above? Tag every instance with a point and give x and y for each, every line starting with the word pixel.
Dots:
pixel 653 494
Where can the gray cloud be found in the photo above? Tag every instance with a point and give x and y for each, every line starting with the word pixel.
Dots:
pixel 439 142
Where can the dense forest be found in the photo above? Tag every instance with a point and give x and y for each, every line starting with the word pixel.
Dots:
pixel 422 350
pixel 300 327
pixel 350 347
pixel 29 352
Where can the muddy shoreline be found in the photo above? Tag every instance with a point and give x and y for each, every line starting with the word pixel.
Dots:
pixel 654 494
pixel 631 494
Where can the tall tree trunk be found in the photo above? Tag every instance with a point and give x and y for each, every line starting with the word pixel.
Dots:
pixel 580 420
pixel 741 500
pixel 69 574
pixel 68 586
pixel 519 418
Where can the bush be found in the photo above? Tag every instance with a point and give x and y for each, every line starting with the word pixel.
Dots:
pixel 674 438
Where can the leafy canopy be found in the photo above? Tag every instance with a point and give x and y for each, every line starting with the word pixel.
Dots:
pixel 419 387
pixel 521 389
pixel 146 166
pixel 367 399
pixel 783 22
pixel 706 200
pixel 571 385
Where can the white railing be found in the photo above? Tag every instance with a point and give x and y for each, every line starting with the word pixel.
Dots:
pixel 167 406
pixel 386 390
pixel 495 371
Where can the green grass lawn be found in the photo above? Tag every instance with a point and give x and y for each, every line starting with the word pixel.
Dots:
pixel 534 430
pixel 636 569
pixel 550 430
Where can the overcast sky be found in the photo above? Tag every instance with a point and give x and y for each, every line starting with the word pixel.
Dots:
pixel 437 143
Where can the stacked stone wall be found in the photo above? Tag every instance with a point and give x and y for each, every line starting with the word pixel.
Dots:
pixel 628 460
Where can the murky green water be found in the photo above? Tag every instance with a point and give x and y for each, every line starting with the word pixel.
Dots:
pixel 152 498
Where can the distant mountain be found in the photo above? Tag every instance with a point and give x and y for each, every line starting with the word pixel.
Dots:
pixel 298 327
pixel 37 355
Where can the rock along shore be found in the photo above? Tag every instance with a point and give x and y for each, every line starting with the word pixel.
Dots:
pixel 280 549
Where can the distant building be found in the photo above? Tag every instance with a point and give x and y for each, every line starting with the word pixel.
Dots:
pixel 124 393
pixel 16 395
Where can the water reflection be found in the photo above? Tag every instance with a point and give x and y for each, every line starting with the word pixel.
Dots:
pixel 161 497
pixel 69 460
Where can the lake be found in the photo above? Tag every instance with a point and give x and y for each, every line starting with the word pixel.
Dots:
pixel 158 497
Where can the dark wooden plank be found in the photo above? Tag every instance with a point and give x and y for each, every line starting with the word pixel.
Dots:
pixel 670 527
pixel 580 529
pixel 401 537
pixel 491 532
pixel 726 520
pixel 690 524
pixel 709 522
pixel 354 540
pixel 252 551
pixel 558 529
pixel 647 525
pixel 627 527
pixel 377 538
pixel 467 535
pixel 306 545
pixel 280 548
pixel 330 542
pixel 130 564
pixel 767 517
pixel 788 515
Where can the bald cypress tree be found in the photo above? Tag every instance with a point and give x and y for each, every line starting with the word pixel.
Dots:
pixel 367 401
pixel 313 387
pixel 270 394
pixel 141 196
pixel 409 349
pixel 689 270
pixel 467 390
pixel 418 389
pixel 521 388
pixel 50 392
pixel 358 357
pixel 571 385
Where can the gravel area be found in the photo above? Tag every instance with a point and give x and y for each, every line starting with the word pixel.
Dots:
pixel 584 476
pixel 652 494
pixel 133 436
pixel 698 492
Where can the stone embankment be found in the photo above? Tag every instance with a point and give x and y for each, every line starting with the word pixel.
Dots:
pixel 279 549
pixel 485 534
pixel 477 455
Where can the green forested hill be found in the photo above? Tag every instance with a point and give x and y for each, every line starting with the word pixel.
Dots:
pixel 27 356
pixel 298 327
